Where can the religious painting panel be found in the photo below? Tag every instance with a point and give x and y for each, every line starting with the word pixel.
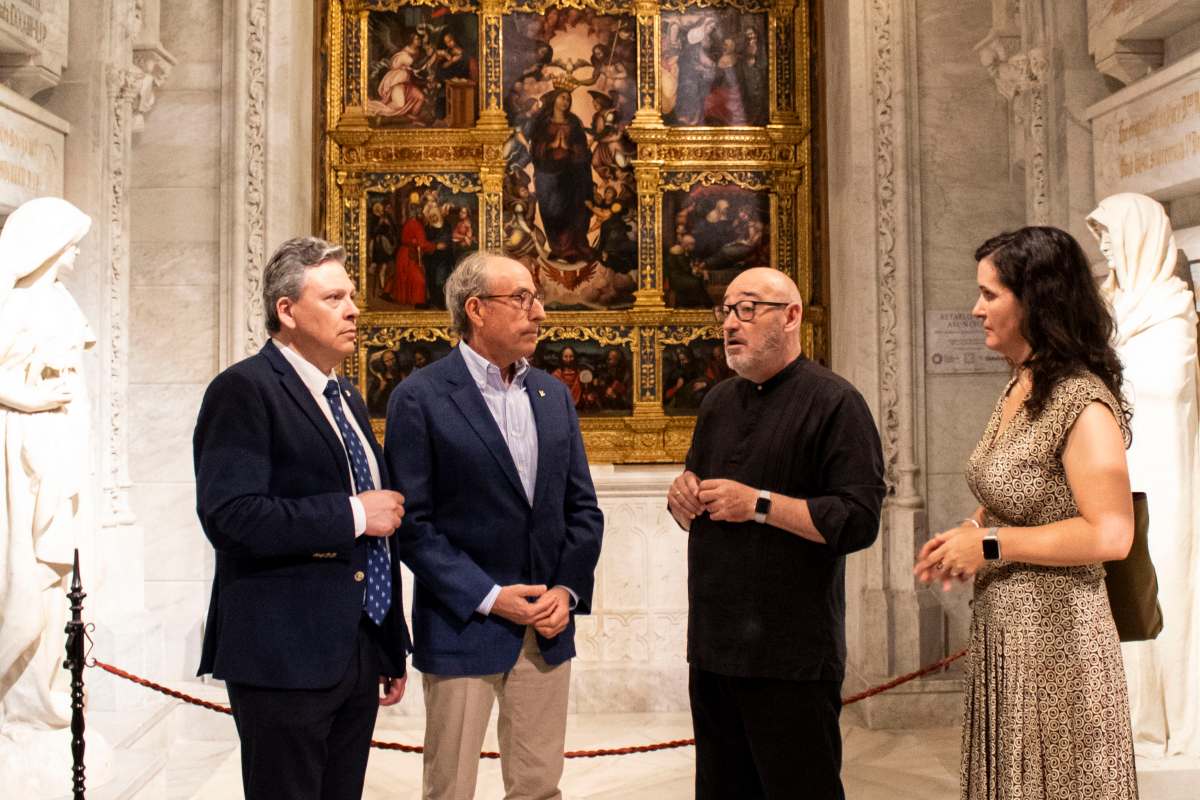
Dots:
pixel 711 233
pixel 417 228
pixel 693 362
pixel 422 68
pixel 595 364
pixel 715 69
pixel 569 194
pixel 635 156
pixel 390 353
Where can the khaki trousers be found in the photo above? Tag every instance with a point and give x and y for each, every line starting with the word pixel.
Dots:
pixel 532 728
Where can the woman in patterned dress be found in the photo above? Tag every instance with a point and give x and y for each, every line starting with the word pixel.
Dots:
pixel 1046 707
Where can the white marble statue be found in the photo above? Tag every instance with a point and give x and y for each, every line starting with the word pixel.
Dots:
pixel 44 457
pixel 1156 340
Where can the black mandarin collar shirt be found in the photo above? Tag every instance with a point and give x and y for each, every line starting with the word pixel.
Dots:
pixel 764 602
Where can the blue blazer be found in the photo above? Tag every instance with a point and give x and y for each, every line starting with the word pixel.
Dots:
pixel 468 524
pixel 272 492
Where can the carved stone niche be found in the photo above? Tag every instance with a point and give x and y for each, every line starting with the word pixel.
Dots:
pixel 1125 37
pixel 33 44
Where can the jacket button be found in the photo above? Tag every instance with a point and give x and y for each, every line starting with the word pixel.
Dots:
pixel 360 576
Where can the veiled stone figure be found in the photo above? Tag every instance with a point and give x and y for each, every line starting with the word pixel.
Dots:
pixel 43 467
pixel 1156 340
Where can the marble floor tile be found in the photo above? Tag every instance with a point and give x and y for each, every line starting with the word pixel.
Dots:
pixel 879 765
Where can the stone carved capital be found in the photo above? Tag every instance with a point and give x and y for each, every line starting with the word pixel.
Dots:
pixel 153 67
pixel 1013 70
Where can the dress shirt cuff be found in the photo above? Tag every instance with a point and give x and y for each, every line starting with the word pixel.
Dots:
pixel 360 516
pixel 570 591
pixel 485 607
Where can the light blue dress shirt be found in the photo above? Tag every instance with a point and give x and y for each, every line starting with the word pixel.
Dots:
pixel 513 413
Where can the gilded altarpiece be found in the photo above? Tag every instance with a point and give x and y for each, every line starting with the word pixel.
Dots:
pixel 635 155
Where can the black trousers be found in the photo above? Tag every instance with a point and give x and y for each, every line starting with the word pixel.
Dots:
pixel 766 739
pixel 310 744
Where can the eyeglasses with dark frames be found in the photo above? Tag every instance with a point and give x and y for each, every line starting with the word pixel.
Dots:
pixel 745 310
pixel 524 298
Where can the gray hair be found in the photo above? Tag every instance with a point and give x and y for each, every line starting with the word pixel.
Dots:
pixel 284 274
pixel 469 279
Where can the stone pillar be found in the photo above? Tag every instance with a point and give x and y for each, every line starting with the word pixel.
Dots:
pixel 116 66
pixel 1037 55
pixel 893 625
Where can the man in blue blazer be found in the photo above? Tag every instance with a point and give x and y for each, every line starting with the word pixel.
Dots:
pixel 305 620
pixel 502 534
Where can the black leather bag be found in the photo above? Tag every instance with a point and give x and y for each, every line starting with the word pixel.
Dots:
pixel 1132 583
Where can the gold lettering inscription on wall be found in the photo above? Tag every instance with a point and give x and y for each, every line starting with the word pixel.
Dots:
pixel 1167 115
pixel 28 24
pixel 1164 156
pixel 17 145
pixel 20 176
pixel 18 142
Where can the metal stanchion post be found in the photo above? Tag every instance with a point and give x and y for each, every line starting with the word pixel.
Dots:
pixel 75 663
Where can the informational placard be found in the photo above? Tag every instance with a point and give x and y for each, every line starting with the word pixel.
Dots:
pixel 31 151
pixel 954 345
pixel 1146 137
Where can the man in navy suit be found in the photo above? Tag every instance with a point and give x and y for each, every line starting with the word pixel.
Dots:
pixel 502 533
pixel 305 621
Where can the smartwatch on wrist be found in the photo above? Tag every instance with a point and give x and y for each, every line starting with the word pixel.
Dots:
pixel 991 545
pixel 762 507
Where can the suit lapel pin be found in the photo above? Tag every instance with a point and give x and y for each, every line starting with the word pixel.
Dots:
pixel 541 392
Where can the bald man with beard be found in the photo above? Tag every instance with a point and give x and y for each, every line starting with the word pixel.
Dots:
pixel 784 478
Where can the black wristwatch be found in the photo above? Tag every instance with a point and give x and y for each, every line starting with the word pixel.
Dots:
pixel 991 545
pixel 762 507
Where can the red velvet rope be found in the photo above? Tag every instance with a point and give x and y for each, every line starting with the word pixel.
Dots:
pixel 612 751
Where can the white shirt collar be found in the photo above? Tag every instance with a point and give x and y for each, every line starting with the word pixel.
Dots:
pixel 484 372
pixel 310 374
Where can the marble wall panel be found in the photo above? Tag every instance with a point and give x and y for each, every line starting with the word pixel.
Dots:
pixel 174 329
pixel 174 264
pixel 667 568
pixel 175 215
pixel 958 410
pixel 191 29
pixel 180 149
pixel 175 546
pixel 162 418
pixel 624 554
pixel 967 192
pixel 180 606
pixel 198 76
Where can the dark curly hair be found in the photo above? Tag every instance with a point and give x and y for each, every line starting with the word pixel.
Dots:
pixel 1066 322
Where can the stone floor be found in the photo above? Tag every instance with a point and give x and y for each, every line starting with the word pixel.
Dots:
pixel 878 764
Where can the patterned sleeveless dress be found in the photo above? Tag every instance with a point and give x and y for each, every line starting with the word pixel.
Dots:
pixel 1046 708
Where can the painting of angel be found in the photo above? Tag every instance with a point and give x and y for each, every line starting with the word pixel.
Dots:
pixel 713 234
pixel 714 68
pixel 569 192
pixel 419 59
pixel 416 233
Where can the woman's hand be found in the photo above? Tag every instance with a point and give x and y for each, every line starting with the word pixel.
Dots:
pixel 956 554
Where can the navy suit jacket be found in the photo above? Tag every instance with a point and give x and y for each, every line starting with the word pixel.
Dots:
pixel 468 524
pixel 272 492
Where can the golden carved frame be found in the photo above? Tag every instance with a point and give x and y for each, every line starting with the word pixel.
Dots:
pixel 355 157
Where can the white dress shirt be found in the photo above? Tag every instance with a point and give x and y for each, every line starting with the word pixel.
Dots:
pixel 315 381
